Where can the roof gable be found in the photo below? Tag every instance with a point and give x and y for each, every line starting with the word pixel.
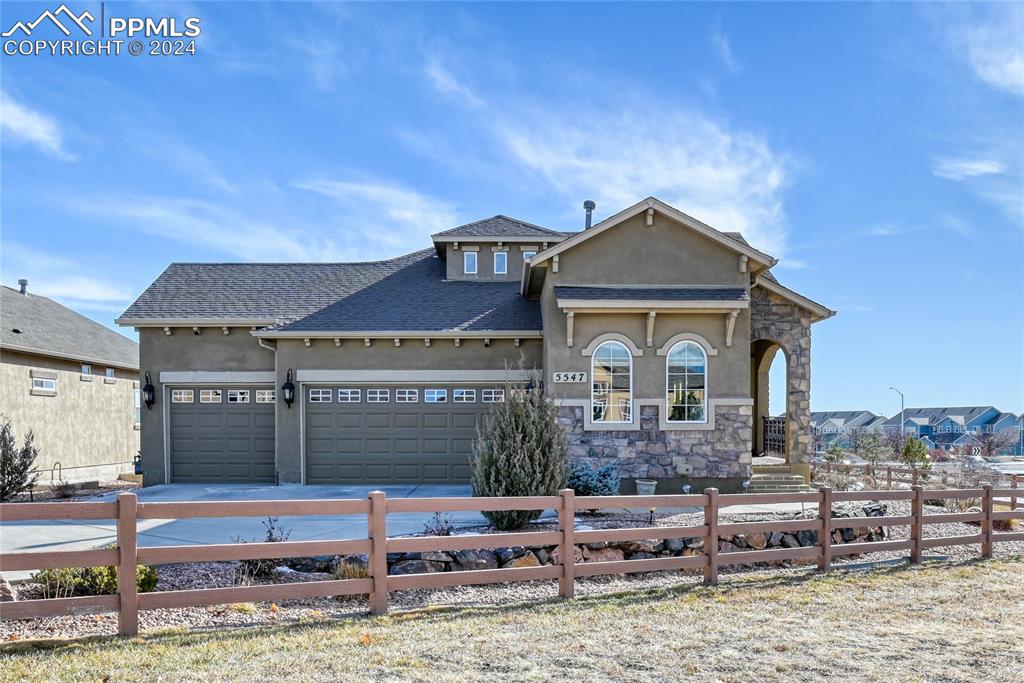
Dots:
pixel 48 328
pixel 499 226
pixel 656 205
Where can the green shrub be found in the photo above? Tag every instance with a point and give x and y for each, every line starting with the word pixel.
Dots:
pixel 520 452
pixel 915 453
pixel 834 453
pixel 17 465
pixel 587 480
pixel 62 583
pixel 63 489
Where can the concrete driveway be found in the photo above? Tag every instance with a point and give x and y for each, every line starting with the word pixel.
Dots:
pixel 78 535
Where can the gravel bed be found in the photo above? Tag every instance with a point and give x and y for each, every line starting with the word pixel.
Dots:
pixel 80 495
pixel 218 574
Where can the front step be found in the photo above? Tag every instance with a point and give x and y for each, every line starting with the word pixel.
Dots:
pixel 777 480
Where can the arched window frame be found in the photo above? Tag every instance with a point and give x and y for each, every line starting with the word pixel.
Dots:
pixel 594 355
pixel 707 382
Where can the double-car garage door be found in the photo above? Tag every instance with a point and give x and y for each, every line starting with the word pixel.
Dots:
pixel 393 434
pixel 222 434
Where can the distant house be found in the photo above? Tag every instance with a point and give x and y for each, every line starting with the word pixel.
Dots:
pixel 72 382
pixel 838 426
pixel 947 428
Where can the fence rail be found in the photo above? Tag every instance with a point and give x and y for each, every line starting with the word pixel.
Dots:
pixel 903 475
pixel 127 511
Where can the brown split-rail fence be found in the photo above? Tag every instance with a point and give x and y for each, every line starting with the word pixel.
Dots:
pixel 896 474
pixel 127 602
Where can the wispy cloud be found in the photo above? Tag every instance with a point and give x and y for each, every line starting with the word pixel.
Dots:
pixel 446 83
pixel 22 124
pixel 991 40
pixel 889 230
pixel 383 216
pixel 960 169
pixel 730 179
pixel 957 225
pixel 720 44
pixel 62 279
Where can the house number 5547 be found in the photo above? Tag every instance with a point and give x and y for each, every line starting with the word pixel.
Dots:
pixel 569 377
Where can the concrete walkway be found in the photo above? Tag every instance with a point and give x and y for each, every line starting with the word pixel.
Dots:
pixel 31 536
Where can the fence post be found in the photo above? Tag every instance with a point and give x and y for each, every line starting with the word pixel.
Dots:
pixel 127 571
pixel 825 514
pixel 987 523
pixel 888 476
pixel 567 546
pixel 913 476
pixel 916 529
pixel 711 540
pixel 1013 496
pixel 378 531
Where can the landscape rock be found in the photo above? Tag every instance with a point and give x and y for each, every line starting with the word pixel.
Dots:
pixel 789 541
pixel 675 545
pixel 642 556
pixel 6 592
pixel 527 560
pixel 353 565
pixel 757 541
pixel 645 546
pixel 320 564
pixel 416 567
pixel 508 554
pixel 607 555
pixel 469 560
pixel 807 537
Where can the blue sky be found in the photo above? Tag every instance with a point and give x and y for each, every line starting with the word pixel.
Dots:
pixel 876 149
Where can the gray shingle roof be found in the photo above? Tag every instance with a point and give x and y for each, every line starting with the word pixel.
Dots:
pixel 409 293
pixel 936 415
pixel 261 293
pixel 417 297
pixel 501 226
pixel 49 328
pixel 653 293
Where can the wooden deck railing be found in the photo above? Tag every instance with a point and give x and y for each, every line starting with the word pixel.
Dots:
pixel 127 511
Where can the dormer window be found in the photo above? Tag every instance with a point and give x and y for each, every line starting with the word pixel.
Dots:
pixel 500 263
pixel 527 255
pixel 469 262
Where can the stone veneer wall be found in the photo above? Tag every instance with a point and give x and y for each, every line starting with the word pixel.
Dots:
pixel 775 319
pixel 650 453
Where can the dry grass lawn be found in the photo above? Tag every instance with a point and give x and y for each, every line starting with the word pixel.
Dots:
pixel 939 622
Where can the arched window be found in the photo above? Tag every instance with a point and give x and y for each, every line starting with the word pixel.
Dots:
pixel 687 379
pixel 611 397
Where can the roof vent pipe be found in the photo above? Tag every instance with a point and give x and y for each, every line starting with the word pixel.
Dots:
pixel 589 207
pixel 23 283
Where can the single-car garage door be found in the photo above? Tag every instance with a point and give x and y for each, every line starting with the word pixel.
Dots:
pixel 393 434
pixel 222 434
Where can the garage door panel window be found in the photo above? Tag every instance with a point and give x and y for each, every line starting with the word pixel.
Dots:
pixel 238 395
pixel 265 395
pixel 493 395
pixel 182 396
pixel 320 395
pixel 378 395
pixel 349 395
pixel 435 395
pixel 464 395
pixel 407 395
pixel 211 396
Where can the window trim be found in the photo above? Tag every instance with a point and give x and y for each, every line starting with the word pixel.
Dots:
pixel 493 395
pixel 465 263
pixel 238 393
pixel 705 402
pixel 321 395
pixel 350 394
pixel 593 377
pixel 177 395
pixel 503 257
pixel 443 393
pixel 378 395
pixel 219 392
pixel 407 395
pixel 468 394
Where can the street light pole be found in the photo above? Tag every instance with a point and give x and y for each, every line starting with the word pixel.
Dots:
pixel 903 431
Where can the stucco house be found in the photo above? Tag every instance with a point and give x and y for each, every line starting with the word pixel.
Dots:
pixel 653 333
pixel 73 383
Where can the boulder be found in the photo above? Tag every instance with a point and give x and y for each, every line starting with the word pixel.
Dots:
pixel 727 547
pixel 807 537
pixel 675 545
pixel 527 560
pixel 543 555
pixel 468 560
pixel 607 555
pixel 848 534
pixel 598 545
pixel 645 546
pixel 641 555
pixel 695 542
pixel 429 556
pixel 322 564
pixel 740 540
pixel 757 541
pixel 577 556
pixel 775 539
pixel 508 554
pixel 416 567
pixel 789 541
pixel 6 591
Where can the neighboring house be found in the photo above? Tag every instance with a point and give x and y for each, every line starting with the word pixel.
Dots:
pixel 837 426
pixel 73 383
pixel 943 425
pixel 651 330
